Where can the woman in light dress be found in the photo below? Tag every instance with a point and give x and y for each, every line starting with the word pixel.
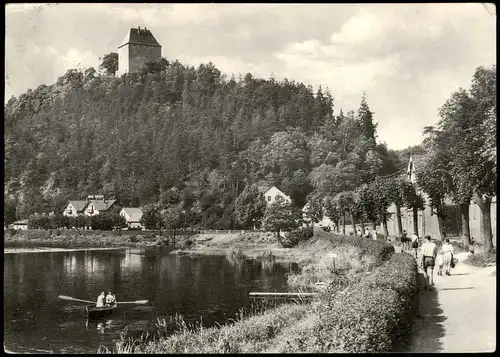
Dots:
pixel 447 256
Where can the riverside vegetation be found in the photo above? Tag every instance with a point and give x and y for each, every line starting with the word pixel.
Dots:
pixel 367 305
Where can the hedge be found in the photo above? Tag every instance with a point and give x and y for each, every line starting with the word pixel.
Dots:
pixel 381 251
pixel 374 315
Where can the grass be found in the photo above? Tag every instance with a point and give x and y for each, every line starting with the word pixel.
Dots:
pixel 235 254
pixel 482 259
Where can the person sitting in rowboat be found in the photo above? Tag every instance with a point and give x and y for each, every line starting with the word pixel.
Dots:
pixel 100 299
pixel 110 299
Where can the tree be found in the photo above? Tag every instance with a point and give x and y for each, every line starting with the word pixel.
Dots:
pixel 250 207
pixel 173 218
pixel 415 201
pixel 365 118
pixel 331 211
pixel 9 211
pixel 279 217
pixel 382 195
pixel 110 63
pixel 152 217
pixel 434 179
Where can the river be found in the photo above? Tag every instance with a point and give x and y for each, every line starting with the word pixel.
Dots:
pixel 209 289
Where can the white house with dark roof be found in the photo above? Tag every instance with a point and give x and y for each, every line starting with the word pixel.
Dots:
pixel 270 194
pixel 138 47
pixel 75 208
pixel 132 216
pixel 99 206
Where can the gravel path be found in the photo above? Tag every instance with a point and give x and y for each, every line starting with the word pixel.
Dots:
pixel 459 315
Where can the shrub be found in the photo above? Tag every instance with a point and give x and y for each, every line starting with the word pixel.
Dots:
pixel 298 235
pixel 135 238
pixel 235 254
pixel 188 244
pixel 482 260
pixel 267 256
pixel 381 251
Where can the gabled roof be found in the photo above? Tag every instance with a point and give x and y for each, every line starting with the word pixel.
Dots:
pixel 263 188
pixel 135 214
pixel 140 36
pixel 102 205
pixel 21 221
pixel 78 205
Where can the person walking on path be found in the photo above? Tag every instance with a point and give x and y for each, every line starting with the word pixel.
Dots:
pixel 429 250
pixel 447 250
pixel 414 243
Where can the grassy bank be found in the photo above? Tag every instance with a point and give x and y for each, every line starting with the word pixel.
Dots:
pixel 367 305
pixel 71 238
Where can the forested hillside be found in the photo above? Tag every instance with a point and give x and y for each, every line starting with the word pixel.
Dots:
pixel 184 137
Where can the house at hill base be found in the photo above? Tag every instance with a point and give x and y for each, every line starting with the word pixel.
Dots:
pixel 20 225
pixel 75 208
pixel 428 220
pixel 138 47
pixel 271 193
pixel 98 205
pixel 132 217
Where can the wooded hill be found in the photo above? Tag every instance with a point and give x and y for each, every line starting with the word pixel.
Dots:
pixel 184 137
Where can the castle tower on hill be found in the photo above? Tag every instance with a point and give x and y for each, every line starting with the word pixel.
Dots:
pixel 138 47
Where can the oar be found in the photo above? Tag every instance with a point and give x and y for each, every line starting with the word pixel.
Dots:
pixel 138 302
pixel 64 297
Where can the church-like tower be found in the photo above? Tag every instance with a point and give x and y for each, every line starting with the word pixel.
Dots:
pixel 138 47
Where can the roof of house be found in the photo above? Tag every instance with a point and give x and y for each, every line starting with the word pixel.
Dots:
pixel 102 205
pixel 140 37
pixel 78 205
pixel 21 221
pixel 263 188
pixel 135 214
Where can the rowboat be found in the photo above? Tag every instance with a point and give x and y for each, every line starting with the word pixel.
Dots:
pixel 96 313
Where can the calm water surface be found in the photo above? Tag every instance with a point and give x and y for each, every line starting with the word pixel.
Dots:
pixel 35 320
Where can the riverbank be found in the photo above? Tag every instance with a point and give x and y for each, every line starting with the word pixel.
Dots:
pixel 365 304
pixel 81 238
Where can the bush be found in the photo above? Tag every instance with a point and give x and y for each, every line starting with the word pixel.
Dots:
pixel 235 254
pixel 482 260
pixel 188 244
pixel 381 251
pixel 135 238
pixel 298 235
pixel 373 315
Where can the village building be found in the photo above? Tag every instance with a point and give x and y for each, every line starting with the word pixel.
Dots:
pixel 427 219
pixel 138 47
pixel 75 208
pixel 271 193
pixel 98 205
pixel 132 217
pixel 20 225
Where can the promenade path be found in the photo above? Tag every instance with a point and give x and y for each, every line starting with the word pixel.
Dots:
pixel 459 315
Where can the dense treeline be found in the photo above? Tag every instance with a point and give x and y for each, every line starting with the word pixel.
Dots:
pixel 183 139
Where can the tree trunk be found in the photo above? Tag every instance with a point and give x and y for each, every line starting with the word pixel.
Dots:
pixel 398 216
pixel 415 221
pixel 384 224
pixel 464 213
pixel 337 226
pixel 353 223
pixel 278 237
pixel 343 223
pixel 486 234
pixel 442 233
pixel 374 225
pixel 362 223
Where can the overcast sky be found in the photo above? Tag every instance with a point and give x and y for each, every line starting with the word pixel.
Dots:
pixel 408 58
